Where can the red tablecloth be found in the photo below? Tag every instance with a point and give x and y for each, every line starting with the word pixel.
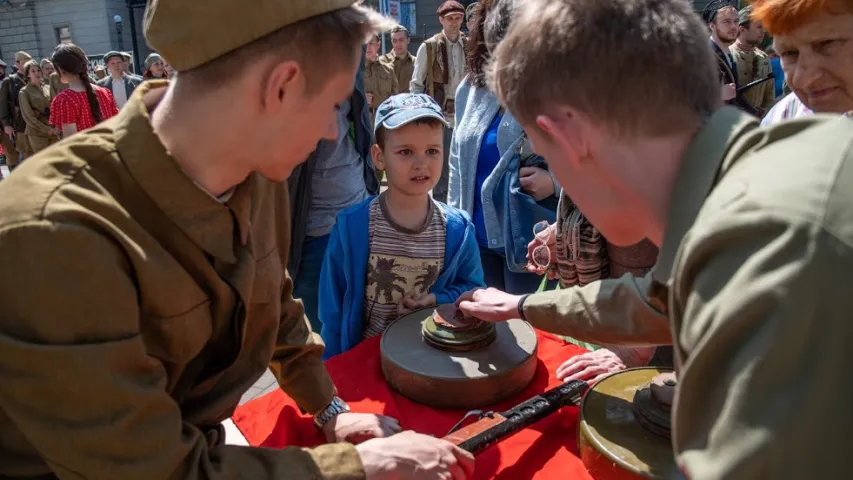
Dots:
pixel 545 451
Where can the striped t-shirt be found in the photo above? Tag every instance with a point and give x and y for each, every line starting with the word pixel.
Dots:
pixel 400 261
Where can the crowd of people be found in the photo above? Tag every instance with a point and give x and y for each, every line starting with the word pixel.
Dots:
pixel 44 101
pixel 691 204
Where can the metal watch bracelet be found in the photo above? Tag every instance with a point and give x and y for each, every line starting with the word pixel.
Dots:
pixel 337 407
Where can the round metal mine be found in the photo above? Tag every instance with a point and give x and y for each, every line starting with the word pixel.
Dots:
pixel 458 363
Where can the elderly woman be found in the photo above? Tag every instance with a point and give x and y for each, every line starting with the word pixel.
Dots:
pixel 493 174
pixel 814 39
pixel 34 100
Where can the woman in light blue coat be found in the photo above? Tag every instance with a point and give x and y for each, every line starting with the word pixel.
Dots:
pixel 494 176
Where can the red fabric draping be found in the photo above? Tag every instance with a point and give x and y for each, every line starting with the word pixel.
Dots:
pixel 545 451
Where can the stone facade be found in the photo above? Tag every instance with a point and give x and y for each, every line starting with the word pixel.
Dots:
pixel 34 26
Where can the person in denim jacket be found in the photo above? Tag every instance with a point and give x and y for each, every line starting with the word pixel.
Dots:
pixel 493 176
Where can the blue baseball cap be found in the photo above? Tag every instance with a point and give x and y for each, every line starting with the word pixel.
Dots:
pixel 405 108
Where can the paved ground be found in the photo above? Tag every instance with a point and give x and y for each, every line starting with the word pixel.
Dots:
pixel 264 385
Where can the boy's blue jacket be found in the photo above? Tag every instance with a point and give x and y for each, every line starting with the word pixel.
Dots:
pixel 342 279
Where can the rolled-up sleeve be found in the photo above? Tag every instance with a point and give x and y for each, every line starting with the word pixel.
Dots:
pixel 79 385
pixel 607 312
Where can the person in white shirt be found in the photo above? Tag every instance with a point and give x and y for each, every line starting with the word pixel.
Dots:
pixel 118 82
pixel 439 69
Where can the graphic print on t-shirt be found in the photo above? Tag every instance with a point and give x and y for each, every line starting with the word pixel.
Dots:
pixel 400 262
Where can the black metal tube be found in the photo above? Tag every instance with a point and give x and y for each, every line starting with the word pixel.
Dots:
pixel 525 414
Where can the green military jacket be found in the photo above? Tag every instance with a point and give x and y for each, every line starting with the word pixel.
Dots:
pixel 755 65
pixel 379 81
pixel 753 274
pixel 10 113
pixel 404 68
pixel 34 102
pixel 136 311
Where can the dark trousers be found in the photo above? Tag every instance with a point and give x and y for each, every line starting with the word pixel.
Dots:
pixel 498 275
pixel 306 285
pixel 439 193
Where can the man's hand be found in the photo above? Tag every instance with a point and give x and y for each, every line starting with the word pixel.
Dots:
pixel 413 456
pixel 729 92
pixel 536 182
pixel 369 99
pixel 359 427
pixel 489 305
pixel 549 239
pixel 412 302
pixel 595 366
pixel 10 131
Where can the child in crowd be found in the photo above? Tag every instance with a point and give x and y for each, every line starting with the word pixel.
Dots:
pixel 400 251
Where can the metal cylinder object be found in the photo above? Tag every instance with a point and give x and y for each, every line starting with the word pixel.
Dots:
pixel 623 432
pixel 494 370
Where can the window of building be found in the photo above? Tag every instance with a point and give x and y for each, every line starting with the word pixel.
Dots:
pixel 63 34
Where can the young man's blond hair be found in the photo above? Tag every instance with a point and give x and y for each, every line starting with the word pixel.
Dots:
pixel 644 75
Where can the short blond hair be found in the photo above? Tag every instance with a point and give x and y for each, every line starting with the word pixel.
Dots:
pixel 639 67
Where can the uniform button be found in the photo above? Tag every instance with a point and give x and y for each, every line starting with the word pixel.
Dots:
pixel 506 124
pixel 494 242
pixel 487 201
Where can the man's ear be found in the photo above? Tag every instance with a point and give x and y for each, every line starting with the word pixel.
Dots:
pixel 568 130
pixel 378 156
pixel 285 84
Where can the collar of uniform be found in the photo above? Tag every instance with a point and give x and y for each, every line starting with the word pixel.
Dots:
pixel 698 175
pixel 204 220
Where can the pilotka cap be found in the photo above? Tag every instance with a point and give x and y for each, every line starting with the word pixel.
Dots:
pixel 190 33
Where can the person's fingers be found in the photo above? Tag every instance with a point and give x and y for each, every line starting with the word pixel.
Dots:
pixel 466 297
pixel 571 366
pixel 527 171
pixel 466 461
pixel 587 373
pixel 598 378
pixel 456 472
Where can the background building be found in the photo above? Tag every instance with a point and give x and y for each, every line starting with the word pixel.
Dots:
pixel 37 26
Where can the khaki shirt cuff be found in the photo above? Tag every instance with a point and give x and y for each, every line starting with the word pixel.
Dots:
pixel 338 461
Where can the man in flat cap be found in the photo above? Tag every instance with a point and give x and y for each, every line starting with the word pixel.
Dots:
pixel 117 81
pixel 439 69
pixel 144 288
pixel 13 139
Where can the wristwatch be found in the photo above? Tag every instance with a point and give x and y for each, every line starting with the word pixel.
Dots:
pixel 337 407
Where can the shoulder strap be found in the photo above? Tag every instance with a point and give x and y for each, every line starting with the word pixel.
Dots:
pixel 430 83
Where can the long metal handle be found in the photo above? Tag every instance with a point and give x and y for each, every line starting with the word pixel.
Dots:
pixel 522 416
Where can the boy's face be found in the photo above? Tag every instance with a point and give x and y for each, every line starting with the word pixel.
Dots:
pixel 412 158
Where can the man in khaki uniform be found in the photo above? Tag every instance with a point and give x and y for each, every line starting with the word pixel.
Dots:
pixel 753 64
pixel 144 288
pixel 12 137
pixel 379 80
pixel 400 59
pixel 755 243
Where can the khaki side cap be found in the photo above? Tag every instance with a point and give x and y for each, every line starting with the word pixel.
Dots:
pixel 189 33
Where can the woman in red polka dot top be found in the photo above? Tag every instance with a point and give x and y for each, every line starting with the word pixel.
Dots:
pixel 83 104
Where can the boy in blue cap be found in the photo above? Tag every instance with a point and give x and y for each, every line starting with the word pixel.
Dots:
pixel 400 251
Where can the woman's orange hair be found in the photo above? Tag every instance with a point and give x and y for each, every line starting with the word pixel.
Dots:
pixel 783 16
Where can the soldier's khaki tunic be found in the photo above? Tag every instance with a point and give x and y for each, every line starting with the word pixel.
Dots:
pixel 380 81
pixel 35 108
pixel 755 268
pixel 404 68
pixel 136 309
